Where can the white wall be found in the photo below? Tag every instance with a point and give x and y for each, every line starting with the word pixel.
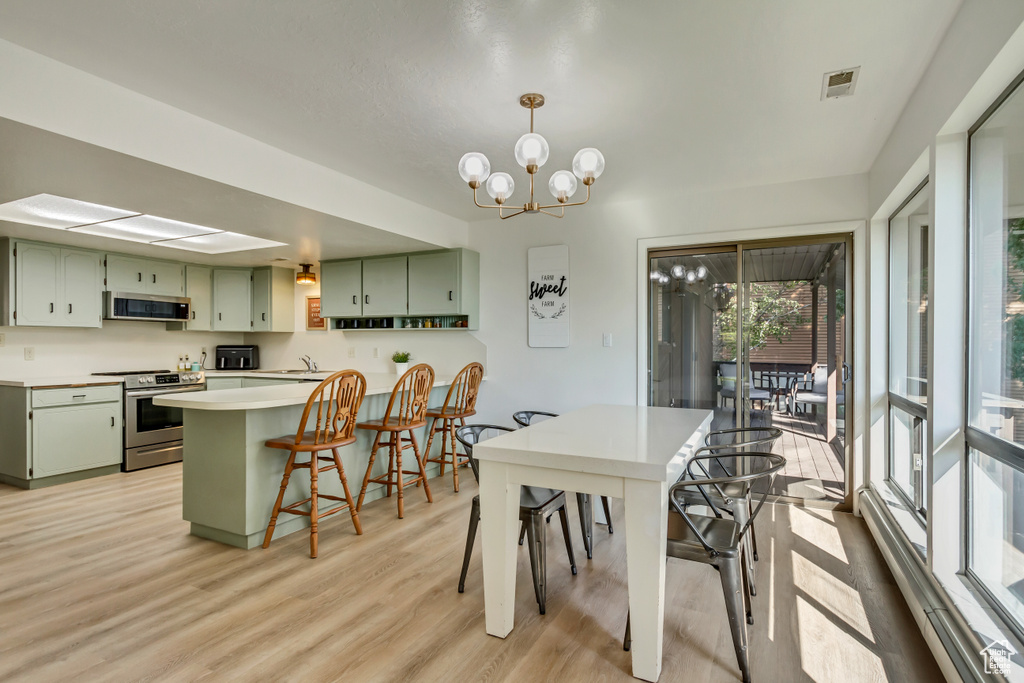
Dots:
pixel 447 351
pixel 602 241
pixel 118 345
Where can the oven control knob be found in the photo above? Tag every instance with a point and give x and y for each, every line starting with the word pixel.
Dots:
pixel 190 378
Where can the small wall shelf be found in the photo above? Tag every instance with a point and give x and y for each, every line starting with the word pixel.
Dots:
pixel 405 322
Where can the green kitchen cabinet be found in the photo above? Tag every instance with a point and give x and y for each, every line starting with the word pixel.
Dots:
pixel 199 289
pixel 444 283
pixel 59 434
pixel 232 299
pixel 341 289
pixel 273 299
pixel 385 286
pixel 47 285
pixel 144 276
pixel 219 383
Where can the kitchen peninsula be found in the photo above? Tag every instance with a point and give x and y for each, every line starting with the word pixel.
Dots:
pixel 230 479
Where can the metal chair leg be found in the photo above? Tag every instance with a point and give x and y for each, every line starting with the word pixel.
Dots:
pixel 607 512
pixel 564 516
pixel 627 639
pixel 538 558
pixel 522 531
pixel 586 508
pixel 753 536
pixel 474 520
pixel 741 513
pixel 731 573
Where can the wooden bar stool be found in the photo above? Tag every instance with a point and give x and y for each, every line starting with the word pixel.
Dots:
pixel 409 403
pixel 459 404
pixel 337 399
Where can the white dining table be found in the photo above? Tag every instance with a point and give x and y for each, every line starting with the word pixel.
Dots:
pixel 628 452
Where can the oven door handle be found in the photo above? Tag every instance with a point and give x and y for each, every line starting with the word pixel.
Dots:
pixel 149 393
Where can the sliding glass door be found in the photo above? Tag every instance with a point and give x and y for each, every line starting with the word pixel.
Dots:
pixel 757 333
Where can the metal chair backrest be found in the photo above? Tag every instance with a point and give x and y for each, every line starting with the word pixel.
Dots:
pixel 337 399
pixel 474 434
pixel 728 373
pixel 524 418
pixel 465 389
pixel 410 395
pixel 756 468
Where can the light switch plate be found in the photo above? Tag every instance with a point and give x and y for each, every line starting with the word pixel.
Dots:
pixel 606 339
pixel 351 352
pixel 30 353
pixel 376 352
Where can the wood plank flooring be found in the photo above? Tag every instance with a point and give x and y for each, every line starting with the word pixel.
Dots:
pixel 100 581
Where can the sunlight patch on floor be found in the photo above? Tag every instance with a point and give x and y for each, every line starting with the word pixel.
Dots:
pixel 818 532
pixel 835 595
pixel 829 653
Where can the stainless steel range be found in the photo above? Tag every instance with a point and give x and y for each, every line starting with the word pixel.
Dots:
pixel 153 434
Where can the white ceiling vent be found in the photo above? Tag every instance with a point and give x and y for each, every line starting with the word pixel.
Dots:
pixel 839 83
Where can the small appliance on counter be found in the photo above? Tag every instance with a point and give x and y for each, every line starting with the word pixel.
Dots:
pixel 239 357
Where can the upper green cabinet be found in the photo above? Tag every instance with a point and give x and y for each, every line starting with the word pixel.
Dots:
pixel 273 299
pixel 384 286
pixel 341 289
pixel 199 290
pixel 51 286
pixel 425 283
pixel 144 276
pixel 232 299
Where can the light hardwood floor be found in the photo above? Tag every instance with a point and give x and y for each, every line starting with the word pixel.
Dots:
pixel 100 581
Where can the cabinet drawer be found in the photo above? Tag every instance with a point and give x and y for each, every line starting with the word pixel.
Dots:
pixel 42 398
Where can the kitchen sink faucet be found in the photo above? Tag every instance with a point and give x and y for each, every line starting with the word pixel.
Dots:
pixel 311 365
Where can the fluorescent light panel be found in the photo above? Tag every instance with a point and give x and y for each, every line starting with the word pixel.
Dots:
pixel 51 211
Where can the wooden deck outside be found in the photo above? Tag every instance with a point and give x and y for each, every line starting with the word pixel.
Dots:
pixel 815 469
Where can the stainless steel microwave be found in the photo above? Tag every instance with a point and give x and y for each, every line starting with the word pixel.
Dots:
pixel 122 306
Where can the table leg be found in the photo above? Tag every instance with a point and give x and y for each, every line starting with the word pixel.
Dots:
pixel 499 513
pixel 646 506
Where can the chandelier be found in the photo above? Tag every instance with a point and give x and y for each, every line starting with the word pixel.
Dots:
pixel 531 153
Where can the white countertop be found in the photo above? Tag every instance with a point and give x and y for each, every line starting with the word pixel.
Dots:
pixel 287 394
pixel 638 442
pixel 59 381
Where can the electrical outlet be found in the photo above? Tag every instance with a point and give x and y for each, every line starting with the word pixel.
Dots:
pixel 3 339
pixel 607 339
pixel 351 351
pixel 203 350
pixel 376 352
pixel 30 353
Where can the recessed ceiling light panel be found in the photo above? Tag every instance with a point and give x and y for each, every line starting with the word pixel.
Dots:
pixel 146 228
pixel 50 211
pixel 221 243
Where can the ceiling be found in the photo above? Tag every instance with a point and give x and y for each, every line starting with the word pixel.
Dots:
pixel 679 96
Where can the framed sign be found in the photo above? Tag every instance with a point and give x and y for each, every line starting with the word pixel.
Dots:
pixel 547 298
pixel 313 319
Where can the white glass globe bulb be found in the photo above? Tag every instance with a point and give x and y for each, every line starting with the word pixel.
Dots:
pixel 702 273
pixel 691 277
pixel 588 163
pixel 500 186
pixel 655 275
pixel 531 149
pixel 663 279
pixel 474 166
pixel 562 185
pixel 678 272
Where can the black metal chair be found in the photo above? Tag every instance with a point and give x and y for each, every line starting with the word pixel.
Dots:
pixel 535 505
pixel 717 540
pixel 732 498
pixel 524 418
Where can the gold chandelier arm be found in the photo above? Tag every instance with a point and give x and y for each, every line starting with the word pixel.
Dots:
pixel 511 215
pixel 555 206
pixel 531 181
pixel 556 215
pixel 485 206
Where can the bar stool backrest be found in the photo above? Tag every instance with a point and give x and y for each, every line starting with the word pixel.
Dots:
pixel 524 418
pixel 408 402
pixel 337 401
pixel 464 389
pixel 473 434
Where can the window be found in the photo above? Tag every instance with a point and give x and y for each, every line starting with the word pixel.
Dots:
pixel 908 347
pixel 995 378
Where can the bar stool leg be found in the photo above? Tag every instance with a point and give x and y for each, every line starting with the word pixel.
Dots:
pixel 348 494
pixel 391 461
pixel 419 461
pixel 444 445
pixel 396 457
pixel 314 467
pixel 369 471
pixel 455 456
pixel 280 498
pixel 430 436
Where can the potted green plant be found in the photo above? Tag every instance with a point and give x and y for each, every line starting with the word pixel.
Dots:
pixel 401 359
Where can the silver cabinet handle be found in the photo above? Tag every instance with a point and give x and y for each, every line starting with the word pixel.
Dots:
pixel 75 398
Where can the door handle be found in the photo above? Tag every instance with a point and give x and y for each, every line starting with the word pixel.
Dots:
pixel 355 299
pixel 846 373
pixel 449 295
